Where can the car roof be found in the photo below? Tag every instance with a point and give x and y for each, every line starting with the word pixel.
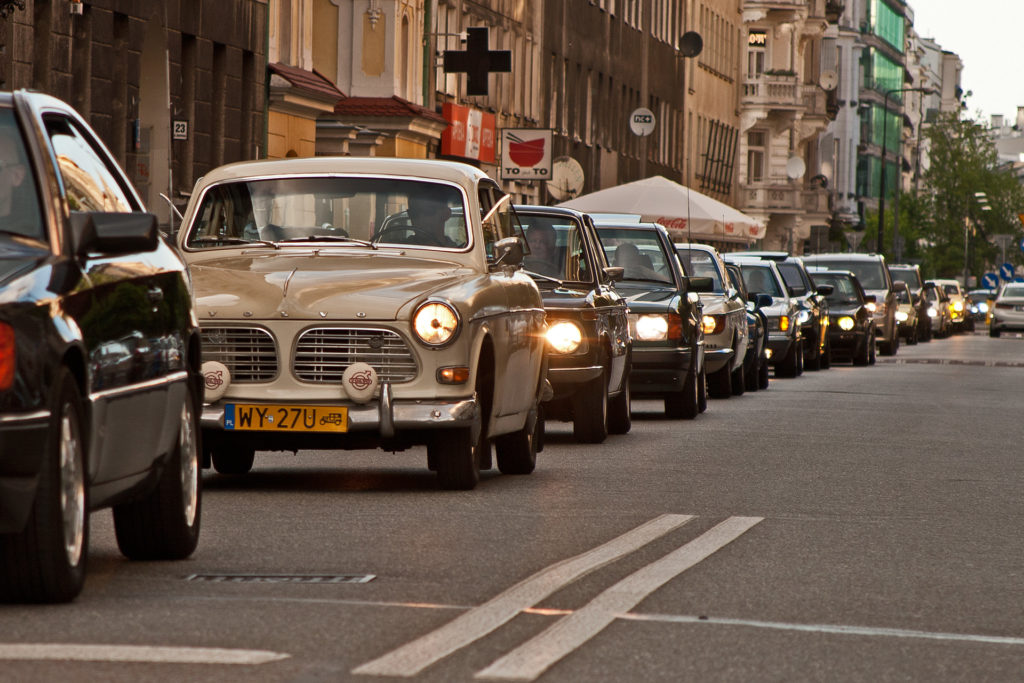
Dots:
pixel 844 256
pixel 428 169
pixel 769 255
pixel 549 210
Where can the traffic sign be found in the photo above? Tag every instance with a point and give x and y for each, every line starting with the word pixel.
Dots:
pixel 1006 271
pixel 1022 245
pixel 989 281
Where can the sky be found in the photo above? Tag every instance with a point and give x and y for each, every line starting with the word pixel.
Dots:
pixel 985 34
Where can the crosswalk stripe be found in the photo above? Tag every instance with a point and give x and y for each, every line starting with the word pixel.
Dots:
pixel 150 654
pixel 532 658
pixel 417 655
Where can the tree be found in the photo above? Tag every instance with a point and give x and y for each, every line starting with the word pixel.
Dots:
pixel 962 162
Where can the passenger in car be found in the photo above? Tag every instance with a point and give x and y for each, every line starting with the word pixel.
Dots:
pixel 428 214
pixel 637 266
pixel 543 257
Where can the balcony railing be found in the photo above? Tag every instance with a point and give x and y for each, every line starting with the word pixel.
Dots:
pixel 768 197
pixel 773 90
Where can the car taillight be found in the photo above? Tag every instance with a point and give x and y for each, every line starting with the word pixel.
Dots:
pixel 7 356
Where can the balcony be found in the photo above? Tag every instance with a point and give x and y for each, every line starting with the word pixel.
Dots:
pixel 816 203
pixel 780 90
pixel 766 198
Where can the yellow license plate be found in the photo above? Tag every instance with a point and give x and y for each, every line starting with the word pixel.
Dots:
pixel 261 417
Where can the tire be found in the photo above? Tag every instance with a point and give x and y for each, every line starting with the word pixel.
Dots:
pixel 720 383
pixel 993 332
pixel 912 338
pixel 457 458
pixel 863 354
pixel 826 355
pixel 165 524
pixel 812 357
pixel 590 410
pixel 234 462
pixel 620 410
pixel 45 562
pixel 871 353
pixel 517 452
pixel 702 390
pixel 739 384
pixel 763 375
pixel 684 404
pixel 790 365
pixel 750 376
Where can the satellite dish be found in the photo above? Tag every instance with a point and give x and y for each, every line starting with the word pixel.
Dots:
pixel 828 80
pixel 690 44
pixel 566 178
pixel 795 168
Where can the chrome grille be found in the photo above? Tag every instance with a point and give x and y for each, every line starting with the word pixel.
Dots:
pixel 248 352
pixel 322 354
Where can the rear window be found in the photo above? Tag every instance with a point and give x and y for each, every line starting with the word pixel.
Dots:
pixel 909 275
pixel 843 289
pixel 760 280
pixel 639 252
pixel 794 278
pixel 701 264
pixel 869 273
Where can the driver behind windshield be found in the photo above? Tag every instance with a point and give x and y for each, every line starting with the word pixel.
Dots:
pixel 428 217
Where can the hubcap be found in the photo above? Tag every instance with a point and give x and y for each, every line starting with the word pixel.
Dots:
pixel 72 487
pixel 189 464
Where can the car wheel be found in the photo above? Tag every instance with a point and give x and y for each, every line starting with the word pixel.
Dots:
pixel 237 461
pixel 750 376
pixel 45 562
pixel 762 375
pixel 702 390
pixel 789 365
pixel 912 338
pixel 812 356
pixel 590 410
pixel 620 410
pixel 862 355
pixel 456 458
pixel 517 452
pixel 684 404
pixel 165 524
pixel 826 355
pixel 871 354
pixel 739 384
pixel 993 332
pixel 970 325
pixel 720 383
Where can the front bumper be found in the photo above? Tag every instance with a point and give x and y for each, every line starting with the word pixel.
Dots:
pixel 780 346
pixel 842 341
pixel 716 359
pixel 658 371
pixel 23 441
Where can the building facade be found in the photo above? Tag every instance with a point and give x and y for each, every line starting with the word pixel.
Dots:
pixel 174 88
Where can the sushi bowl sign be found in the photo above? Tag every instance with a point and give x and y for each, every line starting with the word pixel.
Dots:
pixel 525 154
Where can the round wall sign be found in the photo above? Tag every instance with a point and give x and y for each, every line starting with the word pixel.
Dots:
pixel 641 122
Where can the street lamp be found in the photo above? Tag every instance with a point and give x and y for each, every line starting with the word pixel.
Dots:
pixel 885 153
pixel 982 200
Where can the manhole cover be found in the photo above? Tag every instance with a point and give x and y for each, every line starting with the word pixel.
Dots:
pixel 281 578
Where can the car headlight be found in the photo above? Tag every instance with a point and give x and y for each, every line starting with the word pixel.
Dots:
pixel 932 312
pixel 983 307
pixel 871 306
pixel 803 317
pixel 846 323
pixel 713 324
pixel 958 306
pixel 902 317
pixel 564 337
pixel 652 328
pixel 435 323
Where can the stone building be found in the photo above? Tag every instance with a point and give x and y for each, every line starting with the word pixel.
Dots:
pixel 174 88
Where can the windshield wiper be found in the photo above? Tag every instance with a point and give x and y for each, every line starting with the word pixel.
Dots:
pixel 330 238
pixel 544 277
pixel 231 240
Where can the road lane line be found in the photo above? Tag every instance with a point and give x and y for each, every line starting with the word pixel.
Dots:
pixel 413 657
pixel 535 656
pixel 828 628
pixel 149 654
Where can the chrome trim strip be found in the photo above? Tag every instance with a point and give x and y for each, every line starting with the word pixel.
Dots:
pixel 107 394
pixel 38 416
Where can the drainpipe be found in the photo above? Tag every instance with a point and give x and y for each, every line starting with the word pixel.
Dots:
pixel 428 51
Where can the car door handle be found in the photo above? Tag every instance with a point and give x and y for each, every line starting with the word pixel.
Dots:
pixel 156 294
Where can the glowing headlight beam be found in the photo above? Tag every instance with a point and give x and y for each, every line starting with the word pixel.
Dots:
pixel 652 328
pixel 435 323
pixel 564 337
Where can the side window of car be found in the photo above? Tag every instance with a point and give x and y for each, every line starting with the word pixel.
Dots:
pixel 89 183
pixel 500 220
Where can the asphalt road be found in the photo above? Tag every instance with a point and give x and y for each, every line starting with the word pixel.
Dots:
pixel 854 524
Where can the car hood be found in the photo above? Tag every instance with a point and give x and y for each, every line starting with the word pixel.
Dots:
pixel 847 309
pixel 316 286
pixel 661 298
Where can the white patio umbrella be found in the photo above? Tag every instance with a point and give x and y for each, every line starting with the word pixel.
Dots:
pixel 682 210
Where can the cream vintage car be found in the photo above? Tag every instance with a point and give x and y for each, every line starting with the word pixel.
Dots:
pixel 350 303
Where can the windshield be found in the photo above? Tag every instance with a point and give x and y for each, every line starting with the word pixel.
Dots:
pixel 952 289
pixel 794 278
pixel 556 248
pixel 385 210
pixel 701 264
pixel 869 273
pixel 760 280
pixel 1013 290
pixel 639 252
pixel 909 275
pixel 19 200
pixel 843 289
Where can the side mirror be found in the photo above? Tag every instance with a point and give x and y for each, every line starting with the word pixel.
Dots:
pixel 762 300
pixel 869 299
pixel 825 290
pixel 614 273
pixel 701 284
pixel 508 251
pixel 113 232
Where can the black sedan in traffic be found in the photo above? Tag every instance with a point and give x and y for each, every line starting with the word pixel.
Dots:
pixel 851 326
pixel 588 324
pixel 100 382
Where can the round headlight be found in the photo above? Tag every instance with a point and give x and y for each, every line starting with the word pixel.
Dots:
pixel 652 328
pixel 709 323
pixel 803 316
pixel 983 307
pixel 564 337
pixel 435 323
pixel 901 316
pixel 846 323
pixel 958 305
pixel 871 306
pixel 932 312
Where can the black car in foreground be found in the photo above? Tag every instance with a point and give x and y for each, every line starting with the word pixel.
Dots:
pixel 852 326
pixel 100 382
pixel 588 324
pixel 664 316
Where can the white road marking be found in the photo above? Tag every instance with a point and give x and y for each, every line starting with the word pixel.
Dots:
pixel 828 628
pixel 417 655
pixel 532 658
pixel 150 654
